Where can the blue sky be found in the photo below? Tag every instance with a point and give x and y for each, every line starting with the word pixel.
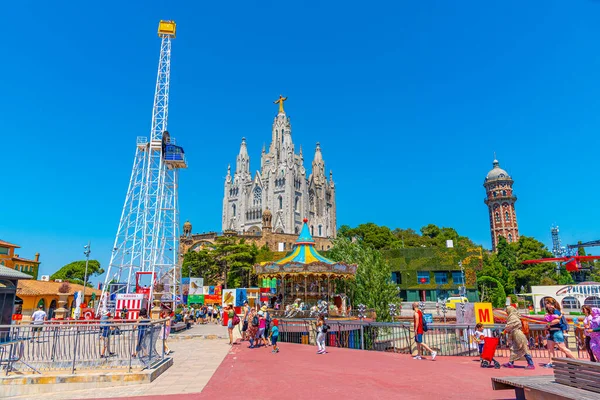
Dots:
pixel 409 101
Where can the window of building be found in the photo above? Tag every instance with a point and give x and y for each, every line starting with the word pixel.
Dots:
pixel 571 303
pixel 280 202
pixel 506 216
pixel 3 250
pixel 296 203
pixel 495 194
pixel 312 230
pixel 504 193
pixel 233 209
pixel 510 238
pixel 320 230
pixel 257 196
pixel 457 278
pixel 441 278
pixel 497 217
pixel 423 277
pixel 396 278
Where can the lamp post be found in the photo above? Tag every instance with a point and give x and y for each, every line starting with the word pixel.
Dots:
pixel 86 251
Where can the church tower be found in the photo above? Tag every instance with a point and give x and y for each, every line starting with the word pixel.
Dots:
pixel 281 190
pixel 500 200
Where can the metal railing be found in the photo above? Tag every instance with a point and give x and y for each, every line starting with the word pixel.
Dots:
pixel 58 345
pixel 398 337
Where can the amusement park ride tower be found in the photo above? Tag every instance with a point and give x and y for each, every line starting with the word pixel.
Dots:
pixel 147 240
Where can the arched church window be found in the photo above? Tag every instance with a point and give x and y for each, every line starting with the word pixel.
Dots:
pixel 280 202
pixel 311 198
pixel 233 209
pixel 497 217
pixel 296 230
pixel 510 238
pixel 506 216
pixel 495 194
pixel 320 230
pixel 312 230
pixel 296 203
pixel 257 196
pixel 504 193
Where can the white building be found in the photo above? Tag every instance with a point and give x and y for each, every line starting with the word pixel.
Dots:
pixel 570 297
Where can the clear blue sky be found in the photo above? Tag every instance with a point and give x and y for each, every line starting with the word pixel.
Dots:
pixel 408 99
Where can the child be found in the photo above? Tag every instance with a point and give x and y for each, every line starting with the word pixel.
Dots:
pixel 274 335
pixel 479 338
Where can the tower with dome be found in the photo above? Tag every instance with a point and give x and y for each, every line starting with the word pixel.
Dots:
pixel 283 189
pixel 500 200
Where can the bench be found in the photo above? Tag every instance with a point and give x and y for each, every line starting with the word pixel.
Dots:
pixel 572 379
pixel 178 326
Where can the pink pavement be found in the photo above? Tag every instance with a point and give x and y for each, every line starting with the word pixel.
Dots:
pixel 297 372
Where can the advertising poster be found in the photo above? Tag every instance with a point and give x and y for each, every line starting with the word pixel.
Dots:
pixel 212 299
pixel 185 286
pixel 229 297
pixel 196 286
pixel 240 297
pixel 195 299
pixel 218 290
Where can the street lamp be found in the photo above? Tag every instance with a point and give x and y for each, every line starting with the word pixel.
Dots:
pixel 86 251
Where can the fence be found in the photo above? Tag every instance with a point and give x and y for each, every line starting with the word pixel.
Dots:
pixel 398 337
pixel 82 345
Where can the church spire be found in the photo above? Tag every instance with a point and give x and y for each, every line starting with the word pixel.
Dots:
pixel 318 165
pixel 243 160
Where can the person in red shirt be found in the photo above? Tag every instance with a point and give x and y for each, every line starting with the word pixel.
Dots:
pixel 418 321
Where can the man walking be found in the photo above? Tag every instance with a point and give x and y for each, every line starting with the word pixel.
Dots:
pixel 37 320
pixel 418 322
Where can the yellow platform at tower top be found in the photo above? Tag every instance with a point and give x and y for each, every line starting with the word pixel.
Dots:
pixel 166 28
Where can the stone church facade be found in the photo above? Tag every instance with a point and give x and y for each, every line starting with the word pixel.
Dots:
pixel 282 188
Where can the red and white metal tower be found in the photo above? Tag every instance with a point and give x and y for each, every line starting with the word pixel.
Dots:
pixel 147 240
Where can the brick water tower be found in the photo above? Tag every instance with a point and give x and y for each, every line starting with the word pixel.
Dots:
pixel 500 200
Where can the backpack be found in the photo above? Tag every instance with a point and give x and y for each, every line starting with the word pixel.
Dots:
pixel 236 319
pixel 324 328
pixel 255 321
pixel 564 326
pixel 424 323
pixel 525 327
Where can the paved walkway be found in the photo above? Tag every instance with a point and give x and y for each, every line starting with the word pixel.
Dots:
pixel 194 362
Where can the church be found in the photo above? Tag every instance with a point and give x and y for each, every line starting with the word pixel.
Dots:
pixel 281 194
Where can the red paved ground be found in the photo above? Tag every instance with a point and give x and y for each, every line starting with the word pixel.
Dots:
pixel 298 373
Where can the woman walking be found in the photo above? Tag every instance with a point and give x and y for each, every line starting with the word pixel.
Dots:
pixel 555 325
pixel 321 334
pixel 252 327
pixel 230 314
pixel 591 322
pixel 518 340
pixel 165 331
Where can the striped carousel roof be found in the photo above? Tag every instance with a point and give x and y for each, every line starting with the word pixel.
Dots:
pixel 305 259
pixel 304 252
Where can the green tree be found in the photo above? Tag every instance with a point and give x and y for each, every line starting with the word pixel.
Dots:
pixel 75 272
pixel 372 286
pixel 378 237
pixel 234 259
pixel 492 291
pixel 201 264
pixel 506 254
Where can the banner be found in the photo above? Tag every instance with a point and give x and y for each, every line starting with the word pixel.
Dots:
pixel 211 299
pixel 195 299
pixel 218 290
pixel 185 286
pixel 240 297
pixel 229 297
pixel 196 286
pixel 484 314
pixel 468 318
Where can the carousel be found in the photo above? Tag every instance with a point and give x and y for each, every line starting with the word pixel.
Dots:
pixel 307 281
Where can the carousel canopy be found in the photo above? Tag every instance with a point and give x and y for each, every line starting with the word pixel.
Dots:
pixel 305 259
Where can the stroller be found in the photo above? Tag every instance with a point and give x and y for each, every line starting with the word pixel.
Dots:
pixel 489 349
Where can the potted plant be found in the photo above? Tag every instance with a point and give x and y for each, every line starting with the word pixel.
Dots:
pixel 63 295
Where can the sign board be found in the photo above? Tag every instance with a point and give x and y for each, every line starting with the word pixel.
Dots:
pixel 484 314
pixel 196 286
pixel 229 296
pixel 45 278
pixel 428 318
pixel 195 299
pixel 468 317
pixel 132 302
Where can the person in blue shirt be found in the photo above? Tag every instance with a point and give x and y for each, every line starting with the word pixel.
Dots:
pixel 105 328
pixel 274 335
